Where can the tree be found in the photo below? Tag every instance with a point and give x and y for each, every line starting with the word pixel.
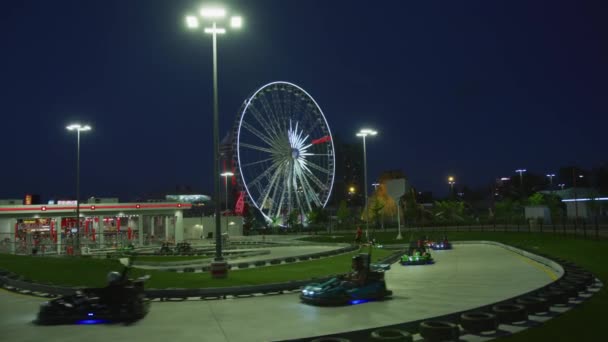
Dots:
pixel 536 199
pixel 376 210
pixel 508 210
pixel 449 211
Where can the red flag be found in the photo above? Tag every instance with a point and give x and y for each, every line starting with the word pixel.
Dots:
pixel 129 233
pixel 93 234
pixel 118 224
pixel 240 203
pixel 86 227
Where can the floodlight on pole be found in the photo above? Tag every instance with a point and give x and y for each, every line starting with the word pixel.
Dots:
pixel 212 12
pixel 363 133
pixel 78 128
pixel 191 21
pixel 451 181
pixel 521 176
pixel 236 22
pixel 551 175
pixel 215 15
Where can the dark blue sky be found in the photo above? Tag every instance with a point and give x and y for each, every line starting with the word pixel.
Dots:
pixel 470 88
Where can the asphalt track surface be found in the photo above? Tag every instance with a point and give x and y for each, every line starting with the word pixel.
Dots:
pixel 463 278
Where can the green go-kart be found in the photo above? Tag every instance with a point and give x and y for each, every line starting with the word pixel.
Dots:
pixel 417 256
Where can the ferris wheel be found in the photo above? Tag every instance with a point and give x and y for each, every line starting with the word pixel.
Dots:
pixel 284 151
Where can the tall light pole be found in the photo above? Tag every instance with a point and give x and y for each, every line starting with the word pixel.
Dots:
pixel 375 185
pixel 521 176
pixel 213 15
pixel 78 128
pixel 551 175
pixel 451 181
pixel 226 175
pixel 364 133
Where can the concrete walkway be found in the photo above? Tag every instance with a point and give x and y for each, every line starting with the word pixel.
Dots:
pixel 466 277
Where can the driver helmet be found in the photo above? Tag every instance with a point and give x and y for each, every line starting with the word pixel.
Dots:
pixel 113 277
pixel 357 262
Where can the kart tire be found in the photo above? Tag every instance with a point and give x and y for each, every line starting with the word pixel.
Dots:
pixel 435 331
pixel 578 284
pixel 587 278
pixel 478 322
pixel 330 339
pixel 534 305
pixel 555 297
pixel 391 335
pixel 510 313
pixel 570 290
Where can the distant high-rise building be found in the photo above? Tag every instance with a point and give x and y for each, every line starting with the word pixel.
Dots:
pixel 348 184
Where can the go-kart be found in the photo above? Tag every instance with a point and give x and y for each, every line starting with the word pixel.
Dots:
pixel 417 256
pixel 183 248
pixel 338 291
pixel 165 249
pixel 91 306
pixel 439 245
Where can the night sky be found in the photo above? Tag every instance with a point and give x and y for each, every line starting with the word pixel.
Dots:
pixel 470 88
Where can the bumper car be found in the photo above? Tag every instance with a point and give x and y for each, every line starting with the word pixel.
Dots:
pixel 417 256
pixel 126 303
pixel 340 291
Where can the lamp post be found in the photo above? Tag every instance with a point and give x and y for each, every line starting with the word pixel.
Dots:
pixel 364 133
pixel 78 128
pixel 551 175
pixel 213 15
pixel 375 185
pixel 226 175
pixel 451 181
pixel 521 176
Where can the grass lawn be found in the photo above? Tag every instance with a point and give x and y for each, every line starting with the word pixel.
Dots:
pixel 585 323
pixel 168 258
pixel 92 272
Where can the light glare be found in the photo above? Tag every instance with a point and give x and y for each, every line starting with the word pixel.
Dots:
pixel 236 22
pixel 213 12
pixel 215 30
pixel 192 22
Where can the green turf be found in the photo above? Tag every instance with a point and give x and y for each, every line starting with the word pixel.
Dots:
pixel 167 258
pixel 91 272
pixel 585 322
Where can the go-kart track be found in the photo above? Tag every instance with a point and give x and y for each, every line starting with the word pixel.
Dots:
pixel 469 276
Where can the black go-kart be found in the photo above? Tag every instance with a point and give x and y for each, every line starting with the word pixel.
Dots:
pixel 91 306
pixel 183 248
pixel 165 249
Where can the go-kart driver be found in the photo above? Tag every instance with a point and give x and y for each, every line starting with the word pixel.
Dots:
pixel 114 294
pixel 358 276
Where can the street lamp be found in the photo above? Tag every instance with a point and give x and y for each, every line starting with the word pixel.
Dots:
pixel 551 175
pixel 521 176
pixel 364 133
pixel 561 185
pixel 78 128
pixel 375 185
pixel 213 15
pixel 451 181
pixel 226 175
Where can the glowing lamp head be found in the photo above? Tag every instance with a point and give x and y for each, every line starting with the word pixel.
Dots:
pixel 192 22
pixel 78 127
pixel 236 22
pixel 212 12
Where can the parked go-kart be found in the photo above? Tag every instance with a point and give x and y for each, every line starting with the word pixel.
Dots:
pixel 338 291
pixel 91 306
pixel 417 256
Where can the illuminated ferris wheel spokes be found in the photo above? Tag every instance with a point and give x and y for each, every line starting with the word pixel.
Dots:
pixel 285 151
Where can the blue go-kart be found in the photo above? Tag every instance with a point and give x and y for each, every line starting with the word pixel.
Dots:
pixel 336 291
